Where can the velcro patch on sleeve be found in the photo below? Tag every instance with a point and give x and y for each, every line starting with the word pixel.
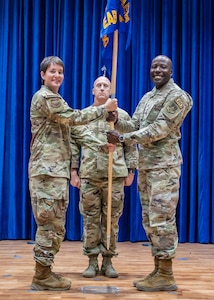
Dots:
pixel 171 108
pixel 179 102
pixel 55 103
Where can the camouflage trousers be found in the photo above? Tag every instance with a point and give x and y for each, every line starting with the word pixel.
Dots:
pixel 93 207
pixel 159 193
pixel 49 199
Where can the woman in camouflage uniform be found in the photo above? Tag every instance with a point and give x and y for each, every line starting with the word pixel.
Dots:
pixel 49 168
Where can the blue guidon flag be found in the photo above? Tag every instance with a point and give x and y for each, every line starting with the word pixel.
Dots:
pixel 117 16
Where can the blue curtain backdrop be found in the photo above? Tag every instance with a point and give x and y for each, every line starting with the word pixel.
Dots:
pixel 32 29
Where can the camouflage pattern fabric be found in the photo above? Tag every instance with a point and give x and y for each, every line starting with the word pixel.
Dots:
pixel 49 199
pixel 50 146
pixel 87 141
pixel 93 207
pixel 94 159
pixel 155 126
pixel 49 167
pixel 159 192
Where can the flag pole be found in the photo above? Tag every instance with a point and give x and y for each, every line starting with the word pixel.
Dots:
pixel 110 161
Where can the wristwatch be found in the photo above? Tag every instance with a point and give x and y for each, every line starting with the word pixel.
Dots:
pixel 121 138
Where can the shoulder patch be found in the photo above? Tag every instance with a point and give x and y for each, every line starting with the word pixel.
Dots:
pixel 171 108
pixel 55 102
pixel 179 102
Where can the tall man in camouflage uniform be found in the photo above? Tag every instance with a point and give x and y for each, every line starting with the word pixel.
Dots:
pixel 49 168
pixel 93 183
pixel 155 126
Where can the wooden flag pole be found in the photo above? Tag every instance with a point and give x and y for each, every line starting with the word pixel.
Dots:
pixel 110 161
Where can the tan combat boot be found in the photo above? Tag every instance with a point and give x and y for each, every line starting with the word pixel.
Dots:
pixel 156 263
pixel 92 269
pixel 45 279
pixel 107 268
pixel 163 280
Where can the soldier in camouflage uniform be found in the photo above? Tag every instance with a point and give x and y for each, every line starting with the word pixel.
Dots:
pixel 49 168
pixel 93 183
pixel 155 126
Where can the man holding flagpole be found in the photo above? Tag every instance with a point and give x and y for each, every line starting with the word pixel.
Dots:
pixel 101 214
pixel 92 180
pixel 116 19
pixel 156 128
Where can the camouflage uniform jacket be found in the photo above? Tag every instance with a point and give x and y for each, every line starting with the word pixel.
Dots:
pixel 51 118
pixel 155 126
pixel 94 159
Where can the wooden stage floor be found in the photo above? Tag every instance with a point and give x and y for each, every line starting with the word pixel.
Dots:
pixel 193 271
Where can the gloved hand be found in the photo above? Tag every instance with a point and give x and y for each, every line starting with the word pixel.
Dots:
pixel 112 116
pixel 113 136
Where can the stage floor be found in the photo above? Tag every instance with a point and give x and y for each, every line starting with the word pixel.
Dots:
pixel 193 271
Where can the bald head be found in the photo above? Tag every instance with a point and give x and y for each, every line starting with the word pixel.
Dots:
pixel 102 79
pixel 163 58
pixel 161 70
pixel 101 90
